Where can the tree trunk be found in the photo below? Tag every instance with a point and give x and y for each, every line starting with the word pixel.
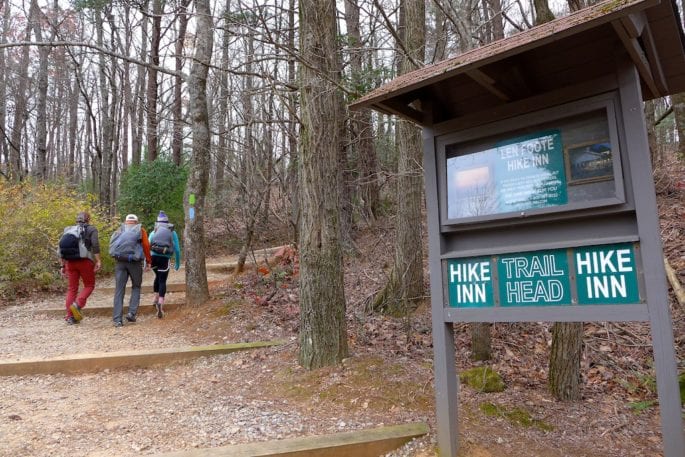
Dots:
pixel 481 342
pixel 4 149
pixel 542 12
pixel 564 360
pixel 323 332
pixel 15 169
pixel 678 102
pixel 152 95
pixel 40 170
pixel 292 178
pixel 177 139
pixel 138 112
pixel 650 118
pixel 405 284
pixel 360 122
pixel 197 290
pixel 222 111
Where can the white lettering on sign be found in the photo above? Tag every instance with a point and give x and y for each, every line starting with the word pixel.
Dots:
pixel 470 272
pixel 535 291
pixel 469 279
pixel 537 160
pixel 603 262
pixel 606 286
pixel 470 293
pixel 538 265
pixel 605 272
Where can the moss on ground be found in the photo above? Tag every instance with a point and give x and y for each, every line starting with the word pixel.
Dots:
pixel 362 383
pixel 517 416
pixel 483 379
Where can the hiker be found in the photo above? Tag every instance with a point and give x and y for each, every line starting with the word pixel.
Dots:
pixel 79 249
pixel 130 247
pixel 163 244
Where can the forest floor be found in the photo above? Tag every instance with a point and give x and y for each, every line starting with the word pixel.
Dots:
pixel 387 380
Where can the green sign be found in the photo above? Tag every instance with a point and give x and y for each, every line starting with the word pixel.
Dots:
pixel 606 274
pixel 534 279
pixel 470 282
pixel 518 174
pixel 596 275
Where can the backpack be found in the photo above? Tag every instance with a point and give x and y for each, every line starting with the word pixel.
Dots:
pixel 125 244
pixel 163 239
pixel 72 243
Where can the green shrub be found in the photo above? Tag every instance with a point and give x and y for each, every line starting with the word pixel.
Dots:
pixel 34 216
pixel 153 186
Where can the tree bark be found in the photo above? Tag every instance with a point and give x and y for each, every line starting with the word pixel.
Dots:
pixel 323 332
pixel 40 170
pixel 152 84
pixel 197 290
pixel 678 102
pixel 481 342
pixel 138 112
pixel 405 285
pixel 564 360
pixel 4 149
pixel 177 139
pixel 360 122
pixel 542 12
pixel 15 169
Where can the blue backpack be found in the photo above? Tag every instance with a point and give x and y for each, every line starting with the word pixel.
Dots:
pixel 126 243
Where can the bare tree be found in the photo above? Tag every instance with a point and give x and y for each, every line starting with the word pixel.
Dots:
pixel 152 83
pixel 323 332
pixel 405 282
pixel 177 141
pixel 197 290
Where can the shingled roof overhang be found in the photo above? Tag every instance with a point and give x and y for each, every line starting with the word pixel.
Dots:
pixel 577 48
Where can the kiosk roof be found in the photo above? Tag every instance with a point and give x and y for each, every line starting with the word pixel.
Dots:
pixel 572 50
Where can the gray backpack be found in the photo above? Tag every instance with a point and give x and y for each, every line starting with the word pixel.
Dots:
pixel 126 243
pixel 163 239
pixel 72 243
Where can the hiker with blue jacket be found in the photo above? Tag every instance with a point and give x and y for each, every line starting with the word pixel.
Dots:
pixel 130 247
pixel 163 244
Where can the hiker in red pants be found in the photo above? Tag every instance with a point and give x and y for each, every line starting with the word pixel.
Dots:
pixel 79 249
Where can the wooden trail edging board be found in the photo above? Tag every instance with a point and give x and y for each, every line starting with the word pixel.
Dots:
pixel 81 363
pixel 146 289
pixel 100 311
pixel 362 443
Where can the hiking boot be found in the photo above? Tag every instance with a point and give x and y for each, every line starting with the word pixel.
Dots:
pixel 118 324
pixel 76 312
pixel 160 310
pixel 130 317
pixel 70 320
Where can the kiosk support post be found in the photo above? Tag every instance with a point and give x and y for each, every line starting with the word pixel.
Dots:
pixel 648 227
pixel 444 370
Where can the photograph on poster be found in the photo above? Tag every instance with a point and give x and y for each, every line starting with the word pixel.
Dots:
pixel 589 162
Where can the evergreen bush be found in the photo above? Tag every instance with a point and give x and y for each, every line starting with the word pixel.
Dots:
pixel 150 187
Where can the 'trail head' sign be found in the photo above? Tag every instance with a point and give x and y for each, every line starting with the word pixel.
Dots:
pixel 593 275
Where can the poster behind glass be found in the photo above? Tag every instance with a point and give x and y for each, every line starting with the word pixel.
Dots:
pixel 541 168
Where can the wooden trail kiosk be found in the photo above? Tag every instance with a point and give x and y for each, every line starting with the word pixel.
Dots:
pixel 541 203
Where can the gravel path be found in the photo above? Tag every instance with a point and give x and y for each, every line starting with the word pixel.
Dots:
pixel 207 402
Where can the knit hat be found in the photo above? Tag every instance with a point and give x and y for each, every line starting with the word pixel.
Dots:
pixel 162 217
pixel 131 218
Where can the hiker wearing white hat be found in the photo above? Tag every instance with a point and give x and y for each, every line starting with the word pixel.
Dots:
pixel 130 247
